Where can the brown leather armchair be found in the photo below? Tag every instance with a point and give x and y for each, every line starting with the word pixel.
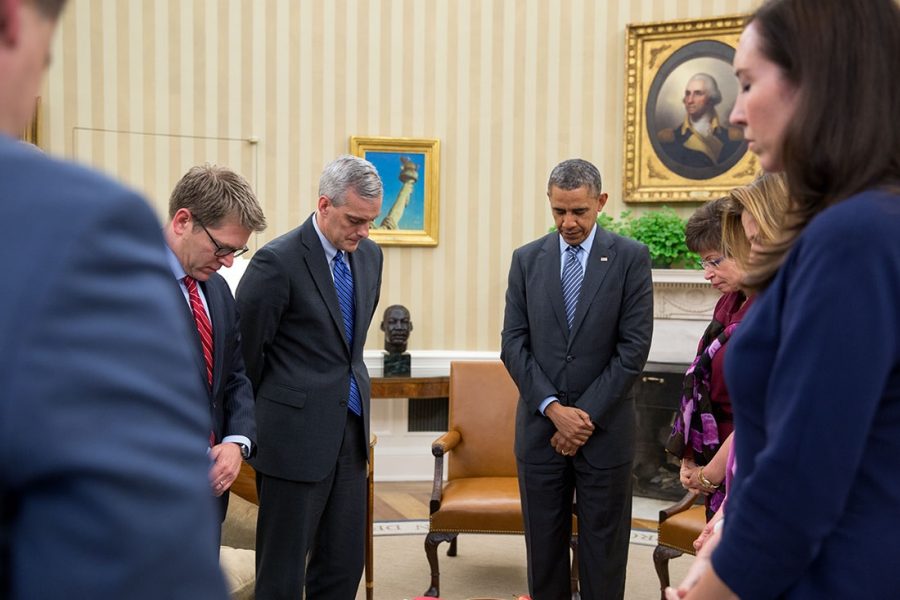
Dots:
pixel 679 526
pixel 481 494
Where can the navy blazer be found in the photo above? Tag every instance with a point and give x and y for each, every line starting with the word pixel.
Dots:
pixel 105 473
pixel 592 368
pixel 296 352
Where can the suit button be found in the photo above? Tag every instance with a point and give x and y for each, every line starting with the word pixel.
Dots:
pixel 343 404
pixel 570 358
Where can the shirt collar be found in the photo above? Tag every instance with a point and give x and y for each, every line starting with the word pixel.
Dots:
pixel 175 264
pixel 585 245
pixel 330 250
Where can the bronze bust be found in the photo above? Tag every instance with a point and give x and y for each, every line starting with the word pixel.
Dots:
pixel 396 326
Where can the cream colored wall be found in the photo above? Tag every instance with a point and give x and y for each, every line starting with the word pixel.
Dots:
pixel 275 89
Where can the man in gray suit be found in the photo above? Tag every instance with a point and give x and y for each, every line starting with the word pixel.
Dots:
pixel 306 302
pixel 576 333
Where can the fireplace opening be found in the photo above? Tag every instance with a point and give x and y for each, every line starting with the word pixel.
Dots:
pixel 657 394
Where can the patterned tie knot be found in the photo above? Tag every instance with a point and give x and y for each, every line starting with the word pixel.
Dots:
pixel 573 251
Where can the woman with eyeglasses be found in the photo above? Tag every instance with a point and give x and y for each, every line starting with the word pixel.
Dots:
pixel 716 231
pixel 814 371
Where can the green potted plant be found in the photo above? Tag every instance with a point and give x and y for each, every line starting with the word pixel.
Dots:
pixel 662 230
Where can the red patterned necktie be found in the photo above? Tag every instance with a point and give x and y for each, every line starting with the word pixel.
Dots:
pixel 203 326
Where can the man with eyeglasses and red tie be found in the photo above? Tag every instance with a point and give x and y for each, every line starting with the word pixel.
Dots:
pixel 212 212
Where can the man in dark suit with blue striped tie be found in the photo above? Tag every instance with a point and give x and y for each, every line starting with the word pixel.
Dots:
pixel 576 333
pixel 306 302
pixel 212 213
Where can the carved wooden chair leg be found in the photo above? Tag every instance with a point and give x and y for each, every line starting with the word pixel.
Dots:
pixel 431 543
pixel 451 551
pixel 573 543
pixel 661 557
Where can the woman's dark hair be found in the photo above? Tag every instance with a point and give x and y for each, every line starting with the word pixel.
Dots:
pixel 703 231
pixel 844 58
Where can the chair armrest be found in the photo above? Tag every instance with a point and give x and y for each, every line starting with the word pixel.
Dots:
pixel 445 443
pixel 689 499
pixel 441 446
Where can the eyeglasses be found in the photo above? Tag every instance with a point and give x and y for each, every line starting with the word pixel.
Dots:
pixel 711 264
pixel 222 251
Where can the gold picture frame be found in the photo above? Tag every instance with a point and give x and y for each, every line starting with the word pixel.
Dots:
pixel 33 131
pixel 666 160
pixel 409 168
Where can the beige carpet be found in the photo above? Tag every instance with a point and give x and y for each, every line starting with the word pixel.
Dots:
pixel 490 566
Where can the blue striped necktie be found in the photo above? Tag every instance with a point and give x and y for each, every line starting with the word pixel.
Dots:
pixel 343 284
pixel 572 277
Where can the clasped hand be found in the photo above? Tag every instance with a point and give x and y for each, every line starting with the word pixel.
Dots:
pixel 573 428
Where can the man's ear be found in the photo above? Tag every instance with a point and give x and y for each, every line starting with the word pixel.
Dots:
pixel 10 22
pixel 603 198
pixel 181 220
pixel 382 325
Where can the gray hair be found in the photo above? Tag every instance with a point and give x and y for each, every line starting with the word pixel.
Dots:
pixel 350 172
pixel 213 193
pixel 712 88
pixel 575 173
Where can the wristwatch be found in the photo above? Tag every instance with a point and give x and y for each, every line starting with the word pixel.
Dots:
pixel 245 450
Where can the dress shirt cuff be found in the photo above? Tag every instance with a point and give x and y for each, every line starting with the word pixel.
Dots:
pixel 238 439
pixel 547 402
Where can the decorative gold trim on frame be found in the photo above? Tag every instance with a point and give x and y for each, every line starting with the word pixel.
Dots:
pixel 649 48
pixel 32 132
pixel 390 234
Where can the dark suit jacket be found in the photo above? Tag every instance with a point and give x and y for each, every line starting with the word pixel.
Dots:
pixel 595 366
pixel 104 478
pixel 230 400
pixel 296 353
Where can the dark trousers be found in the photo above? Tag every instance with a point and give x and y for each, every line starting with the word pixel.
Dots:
pixel 604 527
pixel 312 535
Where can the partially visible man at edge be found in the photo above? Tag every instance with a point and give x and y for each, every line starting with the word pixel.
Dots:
pixel 103 492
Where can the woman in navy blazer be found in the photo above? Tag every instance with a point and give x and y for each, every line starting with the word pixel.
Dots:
pixel 815 369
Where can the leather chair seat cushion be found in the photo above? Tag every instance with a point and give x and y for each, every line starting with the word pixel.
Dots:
pixel 679 531
pixel 480 504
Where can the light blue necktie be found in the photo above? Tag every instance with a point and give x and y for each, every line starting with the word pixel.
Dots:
pixel 572 277
pixel 343 284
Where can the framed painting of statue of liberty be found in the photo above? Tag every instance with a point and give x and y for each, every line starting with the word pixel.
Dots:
pixel 409 170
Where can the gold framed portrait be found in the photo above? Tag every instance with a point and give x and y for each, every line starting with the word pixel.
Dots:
pixel 409 169
pixel 680 89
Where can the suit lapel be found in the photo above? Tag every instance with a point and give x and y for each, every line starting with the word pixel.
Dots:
pixel 359 304
pixel 198 354
pixel 599 261
pixel 320 272
pixel 549 272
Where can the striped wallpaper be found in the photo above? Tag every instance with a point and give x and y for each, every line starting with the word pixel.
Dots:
pixel 275 88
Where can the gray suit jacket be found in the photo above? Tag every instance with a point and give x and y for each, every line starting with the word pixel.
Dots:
pixel 296 353
pixel 592 368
